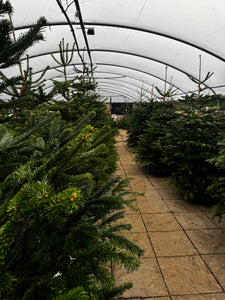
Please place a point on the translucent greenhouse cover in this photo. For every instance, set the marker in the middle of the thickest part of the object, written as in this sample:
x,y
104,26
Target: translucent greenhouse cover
x,y
137,45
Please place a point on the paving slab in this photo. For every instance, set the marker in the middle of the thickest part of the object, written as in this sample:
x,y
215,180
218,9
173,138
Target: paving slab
x,y
151,205
160,222
208,241
194,220
147,280
188,275
182,206
219,296
174,243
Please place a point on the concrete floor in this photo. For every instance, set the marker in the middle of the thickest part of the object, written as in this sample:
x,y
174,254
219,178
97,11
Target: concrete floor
x,y
184,255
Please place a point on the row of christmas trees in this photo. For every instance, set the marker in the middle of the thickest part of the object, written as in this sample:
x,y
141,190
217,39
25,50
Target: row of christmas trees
x,y
60,205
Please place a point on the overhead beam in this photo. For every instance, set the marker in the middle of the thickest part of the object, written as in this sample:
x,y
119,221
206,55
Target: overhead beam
x,y
108,78
119,86
168,36
124,67
127,95
126,53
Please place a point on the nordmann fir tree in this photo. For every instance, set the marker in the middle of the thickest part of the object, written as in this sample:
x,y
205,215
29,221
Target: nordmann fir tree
x,y
190,142
149,147
217,189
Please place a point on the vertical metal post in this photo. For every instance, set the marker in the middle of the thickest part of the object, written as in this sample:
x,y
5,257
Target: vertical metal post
x,y
165,80
110,106
199,75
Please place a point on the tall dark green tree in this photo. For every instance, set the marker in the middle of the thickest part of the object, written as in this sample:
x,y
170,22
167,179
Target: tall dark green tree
x,y
189,142
149,148
217,189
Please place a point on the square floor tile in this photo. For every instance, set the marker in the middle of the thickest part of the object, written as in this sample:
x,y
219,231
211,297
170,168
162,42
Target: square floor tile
x,y
136,222
132,166
220,224
128,164
141,185
147,280
152,206
160,181
182,206
160,222
195,220
208,241
171,195
205,208
132,172
149,194
142,240
187,275
172,243
217,264
141,177
219,296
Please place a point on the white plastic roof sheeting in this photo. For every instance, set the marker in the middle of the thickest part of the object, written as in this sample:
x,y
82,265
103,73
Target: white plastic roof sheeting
x,y
133,43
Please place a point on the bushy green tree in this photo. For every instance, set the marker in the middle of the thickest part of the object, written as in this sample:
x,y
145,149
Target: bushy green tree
x,y
149,148
190,141
217,189
59,225
141,112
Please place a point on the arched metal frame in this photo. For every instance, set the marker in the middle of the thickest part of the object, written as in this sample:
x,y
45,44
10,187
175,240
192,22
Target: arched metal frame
x,y
127,86
126,53
109,79
110,89
123,67
119,87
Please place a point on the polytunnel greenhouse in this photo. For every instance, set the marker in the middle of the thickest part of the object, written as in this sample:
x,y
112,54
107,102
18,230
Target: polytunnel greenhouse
x,y
112,142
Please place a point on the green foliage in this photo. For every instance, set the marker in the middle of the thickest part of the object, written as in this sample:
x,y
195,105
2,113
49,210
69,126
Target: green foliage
x,y
52,241
199,103
190,141
217,189
16,149
180,145
26,98
123,123
77,293
42,224
59,212
149,149
137,121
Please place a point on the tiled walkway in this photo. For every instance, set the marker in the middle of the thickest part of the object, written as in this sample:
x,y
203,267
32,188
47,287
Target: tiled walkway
x,y
184,255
